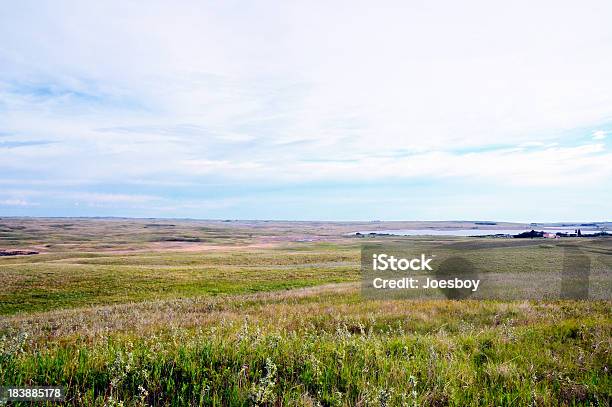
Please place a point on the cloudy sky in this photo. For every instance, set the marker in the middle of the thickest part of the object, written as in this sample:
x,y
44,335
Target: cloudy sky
x,y
307,110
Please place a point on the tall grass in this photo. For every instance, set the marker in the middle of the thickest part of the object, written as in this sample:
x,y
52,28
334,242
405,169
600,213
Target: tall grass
x,y
359,353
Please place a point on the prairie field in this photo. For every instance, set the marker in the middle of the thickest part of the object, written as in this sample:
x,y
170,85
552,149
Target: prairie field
x,y
179,312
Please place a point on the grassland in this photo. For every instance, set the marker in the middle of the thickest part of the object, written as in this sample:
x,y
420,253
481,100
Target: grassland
x,y
127,312
52,281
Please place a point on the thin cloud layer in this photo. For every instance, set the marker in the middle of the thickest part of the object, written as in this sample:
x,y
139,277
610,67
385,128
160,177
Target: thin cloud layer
x,y
226,110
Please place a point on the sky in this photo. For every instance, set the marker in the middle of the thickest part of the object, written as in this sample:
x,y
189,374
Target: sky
x,y
307,110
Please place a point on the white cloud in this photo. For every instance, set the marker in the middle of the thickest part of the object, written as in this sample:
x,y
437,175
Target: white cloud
x,y
403,74
16,202
100,198
550,166
302,92
599,135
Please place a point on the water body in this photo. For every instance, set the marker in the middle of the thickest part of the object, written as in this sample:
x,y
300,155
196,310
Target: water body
x,y
472,232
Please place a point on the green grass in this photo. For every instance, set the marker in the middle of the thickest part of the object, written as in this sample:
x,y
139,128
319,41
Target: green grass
x,y
55,281
331,348
283,325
